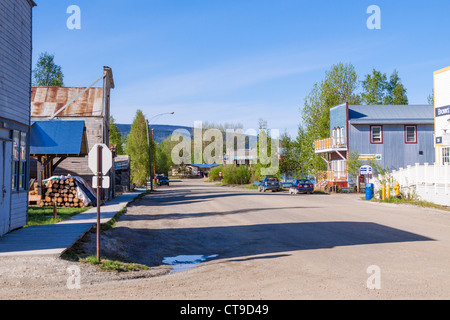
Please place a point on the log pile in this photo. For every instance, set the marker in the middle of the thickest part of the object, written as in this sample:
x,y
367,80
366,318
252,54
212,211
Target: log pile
x,y
60,192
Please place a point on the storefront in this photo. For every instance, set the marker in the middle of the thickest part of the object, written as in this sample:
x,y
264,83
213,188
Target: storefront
x,y
442,115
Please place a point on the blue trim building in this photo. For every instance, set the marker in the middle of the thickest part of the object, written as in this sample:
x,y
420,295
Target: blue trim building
x,y
393,135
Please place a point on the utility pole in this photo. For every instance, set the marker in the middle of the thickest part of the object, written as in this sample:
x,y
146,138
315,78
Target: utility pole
x,y
149,157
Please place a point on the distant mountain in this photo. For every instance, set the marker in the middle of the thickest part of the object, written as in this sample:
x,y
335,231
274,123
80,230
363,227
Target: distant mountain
x,y
161,132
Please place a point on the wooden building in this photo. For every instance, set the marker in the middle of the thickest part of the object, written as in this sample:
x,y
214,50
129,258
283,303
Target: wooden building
x,y
15,83
442,115
394,136
88,104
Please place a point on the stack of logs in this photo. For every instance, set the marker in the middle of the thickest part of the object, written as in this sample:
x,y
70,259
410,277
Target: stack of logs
x,y
62,193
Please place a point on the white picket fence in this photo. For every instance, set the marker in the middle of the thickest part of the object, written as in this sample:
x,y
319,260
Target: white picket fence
x,y
428,182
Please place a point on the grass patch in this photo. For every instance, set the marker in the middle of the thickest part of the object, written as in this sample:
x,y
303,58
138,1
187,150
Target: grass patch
x,y
114,265
419,203
44,215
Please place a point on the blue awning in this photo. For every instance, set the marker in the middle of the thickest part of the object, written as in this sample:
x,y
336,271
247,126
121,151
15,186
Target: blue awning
x,y
54,137
205,166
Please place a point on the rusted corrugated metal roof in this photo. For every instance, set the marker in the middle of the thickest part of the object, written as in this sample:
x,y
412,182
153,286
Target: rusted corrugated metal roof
x,y
45,101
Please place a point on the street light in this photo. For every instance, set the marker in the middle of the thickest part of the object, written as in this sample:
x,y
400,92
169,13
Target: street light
x,y
149,147
158,115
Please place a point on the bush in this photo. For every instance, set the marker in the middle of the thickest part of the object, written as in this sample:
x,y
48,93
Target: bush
x,y
237,175
214,174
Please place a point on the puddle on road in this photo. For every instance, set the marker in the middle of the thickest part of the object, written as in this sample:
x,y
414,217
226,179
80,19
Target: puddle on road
x,y
185,262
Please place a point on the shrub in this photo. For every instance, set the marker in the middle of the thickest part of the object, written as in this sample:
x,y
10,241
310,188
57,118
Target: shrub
x,y
214,174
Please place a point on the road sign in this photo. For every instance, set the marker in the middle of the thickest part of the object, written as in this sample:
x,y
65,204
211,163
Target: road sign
x,y
106,183
365,170
106,156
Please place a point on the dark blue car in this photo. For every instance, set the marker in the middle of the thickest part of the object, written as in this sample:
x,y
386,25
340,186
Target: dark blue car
x,y
301,186
269,183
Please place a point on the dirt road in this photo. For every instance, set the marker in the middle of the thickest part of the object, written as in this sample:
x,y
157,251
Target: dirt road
x,y
255,246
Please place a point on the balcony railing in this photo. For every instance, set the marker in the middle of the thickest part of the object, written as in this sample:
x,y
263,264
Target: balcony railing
x,y
332,176
331,143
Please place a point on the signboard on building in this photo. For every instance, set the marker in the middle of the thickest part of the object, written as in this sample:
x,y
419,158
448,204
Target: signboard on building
x,y
377,157
442,112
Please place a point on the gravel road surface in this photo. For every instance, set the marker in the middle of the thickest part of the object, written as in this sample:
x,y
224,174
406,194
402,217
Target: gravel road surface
x,y
252,245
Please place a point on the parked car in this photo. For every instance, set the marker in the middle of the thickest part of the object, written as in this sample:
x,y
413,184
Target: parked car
x,y
162,180
301,186
269,183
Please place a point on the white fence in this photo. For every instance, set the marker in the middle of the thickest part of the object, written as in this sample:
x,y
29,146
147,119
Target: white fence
x,y
427,182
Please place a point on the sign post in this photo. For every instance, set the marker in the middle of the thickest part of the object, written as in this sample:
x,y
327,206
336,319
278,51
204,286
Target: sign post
x,y
366,171
99,192
100,161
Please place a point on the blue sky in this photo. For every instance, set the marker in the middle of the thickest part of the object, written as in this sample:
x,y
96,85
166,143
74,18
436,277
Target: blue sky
x,y
237,61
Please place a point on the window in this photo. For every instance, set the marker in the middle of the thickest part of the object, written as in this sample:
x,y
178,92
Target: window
x,y
19,161
410,134
446,155
376,134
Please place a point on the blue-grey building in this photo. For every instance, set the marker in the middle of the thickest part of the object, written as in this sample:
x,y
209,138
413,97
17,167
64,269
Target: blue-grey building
x,y
393,135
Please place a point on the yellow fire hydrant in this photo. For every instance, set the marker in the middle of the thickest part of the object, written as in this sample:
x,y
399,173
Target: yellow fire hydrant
x,y
383,192
397,189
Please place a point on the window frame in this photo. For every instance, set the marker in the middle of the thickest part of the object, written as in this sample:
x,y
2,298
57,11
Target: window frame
x,y
445,154
371,134
406,134
19,161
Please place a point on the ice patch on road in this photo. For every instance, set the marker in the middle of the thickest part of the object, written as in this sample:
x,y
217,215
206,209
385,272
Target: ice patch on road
x,y
185,262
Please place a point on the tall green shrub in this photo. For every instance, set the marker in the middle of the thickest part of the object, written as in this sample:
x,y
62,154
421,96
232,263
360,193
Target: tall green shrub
x,y
137,148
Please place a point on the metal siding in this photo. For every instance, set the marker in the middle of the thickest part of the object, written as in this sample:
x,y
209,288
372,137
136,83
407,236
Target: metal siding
x,y
338,118
56,137
395,152
45,101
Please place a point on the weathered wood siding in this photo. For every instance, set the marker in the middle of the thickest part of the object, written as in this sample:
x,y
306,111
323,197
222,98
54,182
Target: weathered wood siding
x,y
15,61
395,152
15,86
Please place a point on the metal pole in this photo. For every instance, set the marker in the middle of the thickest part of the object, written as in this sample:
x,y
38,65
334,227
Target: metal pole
x,y
99,189
149,157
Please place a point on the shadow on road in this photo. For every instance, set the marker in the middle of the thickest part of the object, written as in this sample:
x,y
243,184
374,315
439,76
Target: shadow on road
x,y
238,242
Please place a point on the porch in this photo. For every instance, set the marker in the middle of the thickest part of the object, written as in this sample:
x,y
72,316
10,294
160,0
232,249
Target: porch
x,y
331,144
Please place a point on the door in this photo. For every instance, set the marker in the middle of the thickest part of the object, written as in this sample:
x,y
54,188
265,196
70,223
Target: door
x,y
5,185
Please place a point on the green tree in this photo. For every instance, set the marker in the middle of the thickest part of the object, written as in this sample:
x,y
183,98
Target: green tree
x,y
47,73
163,160
396,92
353,166
430,98
339,86
115,137
288,155
374,88
137,148
377,89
